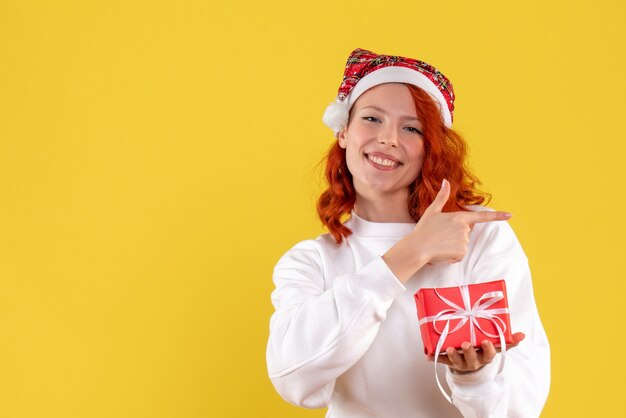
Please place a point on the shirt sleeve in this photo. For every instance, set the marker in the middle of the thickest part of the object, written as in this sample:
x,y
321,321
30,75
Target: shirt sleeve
x,y
317,333
522,389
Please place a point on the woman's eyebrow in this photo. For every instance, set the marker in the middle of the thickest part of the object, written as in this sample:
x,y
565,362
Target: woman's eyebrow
x,y
378,109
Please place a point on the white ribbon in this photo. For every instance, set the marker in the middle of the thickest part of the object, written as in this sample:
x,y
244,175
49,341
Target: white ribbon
x,y
469,314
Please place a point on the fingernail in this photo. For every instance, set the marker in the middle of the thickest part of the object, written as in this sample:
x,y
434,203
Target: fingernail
x,y
465,346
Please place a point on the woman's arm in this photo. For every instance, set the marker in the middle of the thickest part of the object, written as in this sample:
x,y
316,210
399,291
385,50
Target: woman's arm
x,y
444,237
438,237
522,389
317,331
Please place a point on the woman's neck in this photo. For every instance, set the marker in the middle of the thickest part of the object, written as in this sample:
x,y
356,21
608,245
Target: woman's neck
x,y
384,209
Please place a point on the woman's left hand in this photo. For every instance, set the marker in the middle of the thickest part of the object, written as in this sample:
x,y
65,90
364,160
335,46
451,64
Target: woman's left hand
x,y
472,359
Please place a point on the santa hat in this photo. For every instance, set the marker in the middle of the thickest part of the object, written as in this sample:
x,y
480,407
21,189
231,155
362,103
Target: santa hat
x,y
365,69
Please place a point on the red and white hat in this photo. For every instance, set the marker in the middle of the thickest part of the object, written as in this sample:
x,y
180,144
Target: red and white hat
x,y
365,69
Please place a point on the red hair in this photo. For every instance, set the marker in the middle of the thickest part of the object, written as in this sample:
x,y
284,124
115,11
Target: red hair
x,y
445,152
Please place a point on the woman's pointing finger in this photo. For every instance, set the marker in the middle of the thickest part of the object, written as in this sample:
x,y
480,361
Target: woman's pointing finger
x,y
486,216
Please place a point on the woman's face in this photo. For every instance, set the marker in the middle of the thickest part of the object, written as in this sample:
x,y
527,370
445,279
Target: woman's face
x,y
383,141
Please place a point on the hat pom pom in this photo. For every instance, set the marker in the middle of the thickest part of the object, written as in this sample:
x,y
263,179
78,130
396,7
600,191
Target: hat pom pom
x,y
336,116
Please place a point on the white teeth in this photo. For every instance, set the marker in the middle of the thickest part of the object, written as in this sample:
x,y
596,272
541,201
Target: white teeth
x,y
382,161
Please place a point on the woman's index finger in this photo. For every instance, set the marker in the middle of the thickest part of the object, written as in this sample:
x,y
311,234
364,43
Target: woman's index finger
x,y
487,216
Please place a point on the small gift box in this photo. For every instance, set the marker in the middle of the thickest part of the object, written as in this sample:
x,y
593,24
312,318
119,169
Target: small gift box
x,y
448,316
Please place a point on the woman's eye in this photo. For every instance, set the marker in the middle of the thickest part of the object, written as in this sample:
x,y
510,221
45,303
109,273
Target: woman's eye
x,y
371,119
414,130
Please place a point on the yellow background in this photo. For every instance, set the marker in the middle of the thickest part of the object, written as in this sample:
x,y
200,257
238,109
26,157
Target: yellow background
x,y
157,158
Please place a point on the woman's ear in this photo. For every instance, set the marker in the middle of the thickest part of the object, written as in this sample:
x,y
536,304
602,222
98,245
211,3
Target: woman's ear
x,y
341,138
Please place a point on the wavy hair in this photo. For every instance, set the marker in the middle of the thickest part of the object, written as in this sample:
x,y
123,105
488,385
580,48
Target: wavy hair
x,y
445,153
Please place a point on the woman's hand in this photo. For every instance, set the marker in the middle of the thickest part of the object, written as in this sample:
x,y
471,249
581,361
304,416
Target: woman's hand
x,y
472,359
444,236
437,237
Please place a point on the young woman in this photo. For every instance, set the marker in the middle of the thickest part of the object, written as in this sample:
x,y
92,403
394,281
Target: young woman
x,y
345,333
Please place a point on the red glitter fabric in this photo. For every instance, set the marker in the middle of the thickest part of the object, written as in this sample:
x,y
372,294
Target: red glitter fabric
x,y
362,62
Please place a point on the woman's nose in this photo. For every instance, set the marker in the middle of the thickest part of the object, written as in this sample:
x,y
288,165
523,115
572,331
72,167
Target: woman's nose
x,y
388,138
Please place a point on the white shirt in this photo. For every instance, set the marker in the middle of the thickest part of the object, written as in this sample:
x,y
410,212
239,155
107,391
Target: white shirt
x,y
345,332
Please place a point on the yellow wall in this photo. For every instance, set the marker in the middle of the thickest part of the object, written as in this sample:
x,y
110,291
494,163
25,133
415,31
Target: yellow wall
x,y
156,158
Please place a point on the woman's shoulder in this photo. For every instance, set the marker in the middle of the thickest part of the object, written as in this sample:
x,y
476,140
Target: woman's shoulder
x,y
496,237
310,250
496,225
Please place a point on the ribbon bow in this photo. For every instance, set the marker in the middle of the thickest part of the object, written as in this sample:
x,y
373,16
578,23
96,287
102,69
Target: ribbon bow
x,y
470,314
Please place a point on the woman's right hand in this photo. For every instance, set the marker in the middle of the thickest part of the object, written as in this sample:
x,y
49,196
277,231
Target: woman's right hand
x,y
437,237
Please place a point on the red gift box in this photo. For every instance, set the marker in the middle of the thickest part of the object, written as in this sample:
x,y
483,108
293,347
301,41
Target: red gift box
x,y
472,313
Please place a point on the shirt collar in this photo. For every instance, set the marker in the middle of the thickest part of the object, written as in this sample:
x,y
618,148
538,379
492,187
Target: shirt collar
x,y
367,229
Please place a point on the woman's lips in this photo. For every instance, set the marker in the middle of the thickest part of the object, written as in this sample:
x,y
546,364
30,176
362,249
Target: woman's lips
x,y
382,161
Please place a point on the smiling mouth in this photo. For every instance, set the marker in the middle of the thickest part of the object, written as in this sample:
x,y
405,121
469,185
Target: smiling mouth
x,y
381,161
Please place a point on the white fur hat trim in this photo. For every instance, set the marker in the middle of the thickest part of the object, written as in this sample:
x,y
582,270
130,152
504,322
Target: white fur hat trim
x,y
337,113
